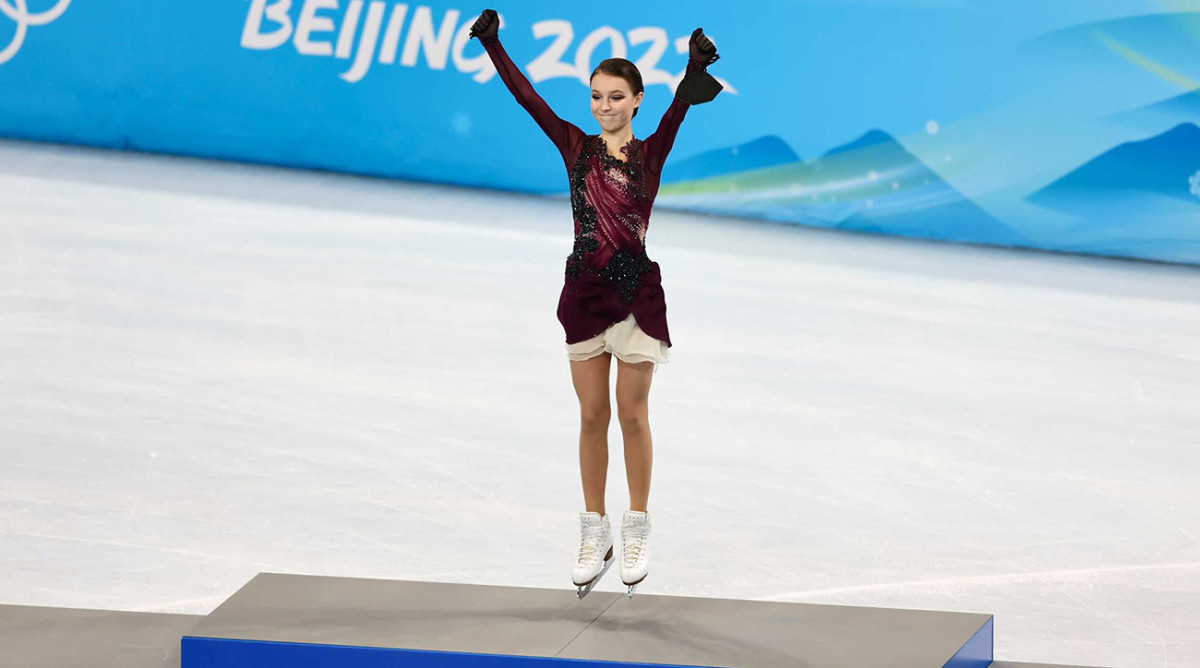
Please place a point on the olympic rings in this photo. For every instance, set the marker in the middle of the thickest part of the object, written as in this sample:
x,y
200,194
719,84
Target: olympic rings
x,y
19,13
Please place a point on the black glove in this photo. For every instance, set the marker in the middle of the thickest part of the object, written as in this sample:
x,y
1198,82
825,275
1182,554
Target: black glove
x,y
698,86
486,25
701,49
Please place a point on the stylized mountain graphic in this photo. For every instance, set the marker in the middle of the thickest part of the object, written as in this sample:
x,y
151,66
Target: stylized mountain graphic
x,y
921,203
766,151
1161,165
871,184
1186,105
871,138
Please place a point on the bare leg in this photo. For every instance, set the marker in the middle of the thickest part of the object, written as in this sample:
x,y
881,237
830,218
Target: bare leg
x,y
633,395
590,378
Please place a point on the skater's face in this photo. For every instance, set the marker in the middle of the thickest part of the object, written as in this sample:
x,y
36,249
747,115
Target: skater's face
x,y
612,101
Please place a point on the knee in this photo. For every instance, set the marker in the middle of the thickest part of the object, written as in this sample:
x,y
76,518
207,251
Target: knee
x,y
595,418
632,416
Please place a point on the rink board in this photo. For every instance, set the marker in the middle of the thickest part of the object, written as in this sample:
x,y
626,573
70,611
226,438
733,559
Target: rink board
x,y
307,621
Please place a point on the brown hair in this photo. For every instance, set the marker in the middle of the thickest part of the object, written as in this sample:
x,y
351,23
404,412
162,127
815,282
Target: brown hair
x,y
620,67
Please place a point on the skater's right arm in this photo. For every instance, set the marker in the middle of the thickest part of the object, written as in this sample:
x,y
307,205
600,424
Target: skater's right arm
x,y
562,133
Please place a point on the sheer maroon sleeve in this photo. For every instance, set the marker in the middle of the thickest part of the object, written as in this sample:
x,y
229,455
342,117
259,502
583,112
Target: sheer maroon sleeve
x,y
658,145
564,134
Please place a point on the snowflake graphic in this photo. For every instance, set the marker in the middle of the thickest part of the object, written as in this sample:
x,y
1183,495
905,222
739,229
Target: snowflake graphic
x,y
1194,184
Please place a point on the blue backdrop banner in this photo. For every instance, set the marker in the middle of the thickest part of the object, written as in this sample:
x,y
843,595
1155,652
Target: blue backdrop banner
x,y
1057,125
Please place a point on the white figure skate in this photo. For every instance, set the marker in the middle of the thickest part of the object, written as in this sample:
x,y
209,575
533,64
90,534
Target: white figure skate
x,y
596,540
635,557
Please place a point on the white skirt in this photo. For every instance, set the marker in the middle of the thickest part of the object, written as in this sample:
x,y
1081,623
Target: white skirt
x,y
624,339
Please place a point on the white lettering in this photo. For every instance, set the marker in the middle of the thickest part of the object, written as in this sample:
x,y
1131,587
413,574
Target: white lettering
x,y
366,45
549,64
481,65
391,38
583,53
421,36
648,63
345,41
269,24
310,23
252,34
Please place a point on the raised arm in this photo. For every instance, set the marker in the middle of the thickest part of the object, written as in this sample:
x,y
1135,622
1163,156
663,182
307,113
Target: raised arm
x,y
658,145
696,87
563,133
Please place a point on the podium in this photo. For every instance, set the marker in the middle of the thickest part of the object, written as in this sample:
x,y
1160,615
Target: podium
x,y
47,637
301,621
304,621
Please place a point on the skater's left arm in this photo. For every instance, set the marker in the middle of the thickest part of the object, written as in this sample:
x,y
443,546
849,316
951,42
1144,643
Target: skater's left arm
x,y
701,54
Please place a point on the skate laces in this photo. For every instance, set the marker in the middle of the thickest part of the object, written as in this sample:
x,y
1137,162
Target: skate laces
x,y
593,535
635,541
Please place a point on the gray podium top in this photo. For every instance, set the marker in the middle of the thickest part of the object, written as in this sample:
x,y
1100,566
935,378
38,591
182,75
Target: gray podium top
x,y
44,637
604,626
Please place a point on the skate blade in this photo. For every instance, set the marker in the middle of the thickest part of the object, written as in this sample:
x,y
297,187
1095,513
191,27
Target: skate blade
x,y
585,589
632,586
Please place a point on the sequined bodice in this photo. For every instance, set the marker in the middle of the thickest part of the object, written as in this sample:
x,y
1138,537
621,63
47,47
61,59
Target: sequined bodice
x,y
611,199
611,209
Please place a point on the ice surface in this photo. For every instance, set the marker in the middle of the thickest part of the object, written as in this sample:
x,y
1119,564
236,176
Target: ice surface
x,y
211,369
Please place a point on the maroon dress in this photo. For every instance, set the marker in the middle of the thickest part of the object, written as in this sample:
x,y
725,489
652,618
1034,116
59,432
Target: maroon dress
x,y
608,274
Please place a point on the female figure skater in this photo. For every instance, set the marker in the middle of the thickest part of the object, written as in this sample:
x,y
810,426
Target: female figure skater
x,y
612,301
